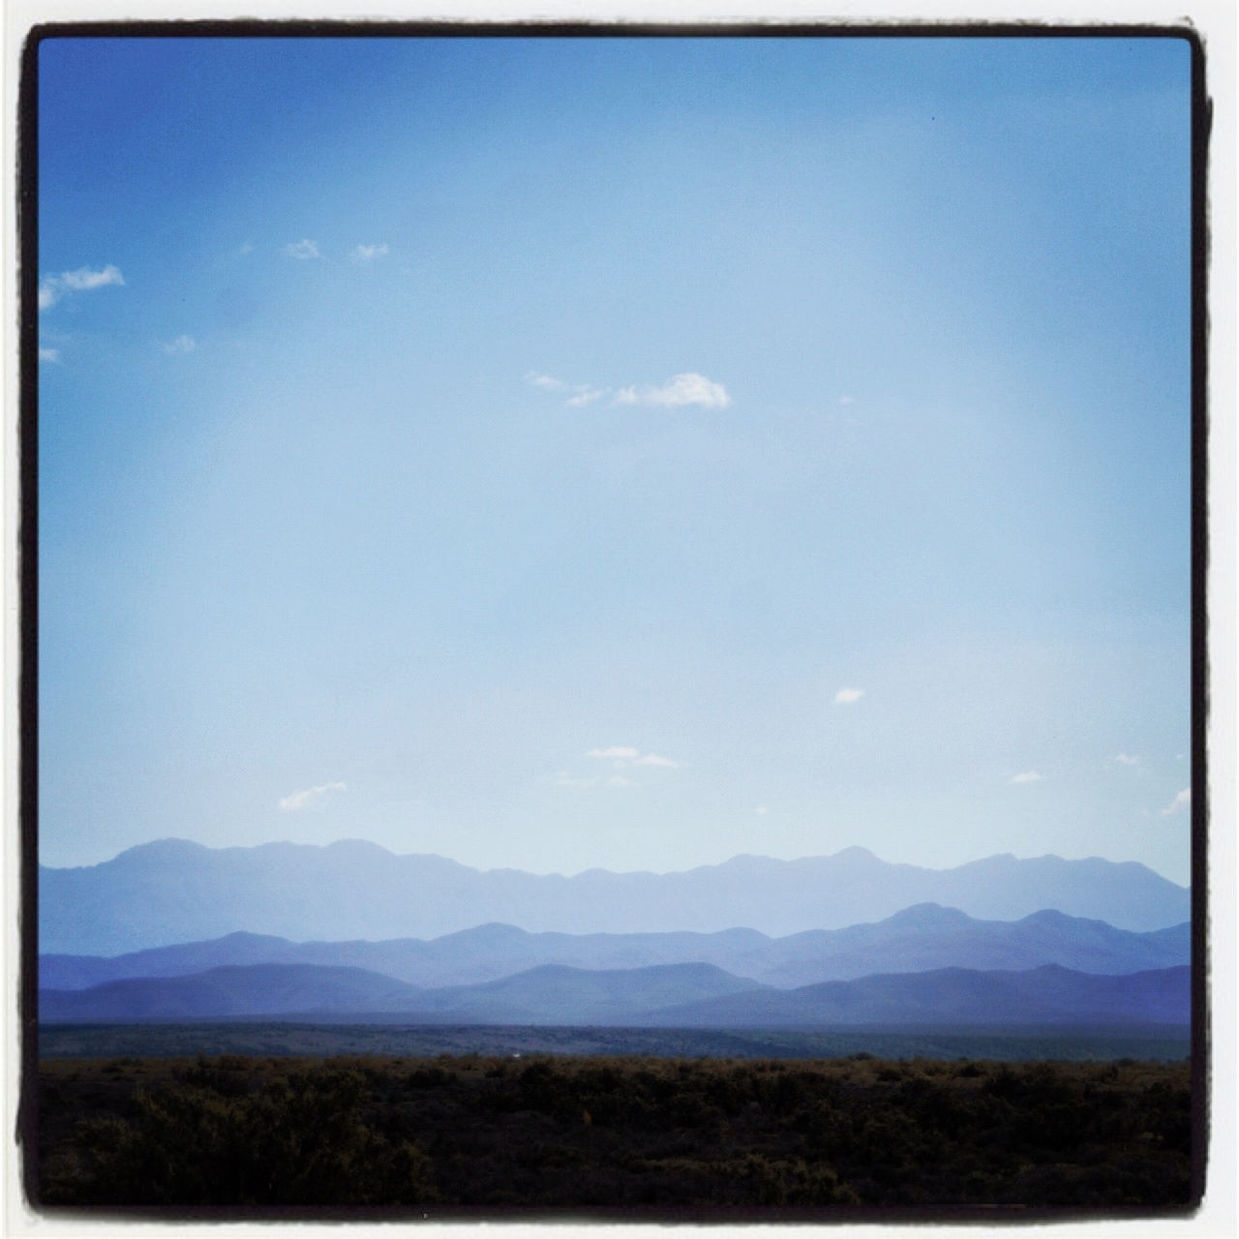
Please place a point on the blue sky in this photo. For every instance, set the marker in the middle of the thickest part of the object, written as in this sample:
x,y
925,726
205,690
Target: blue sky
x,y
618,452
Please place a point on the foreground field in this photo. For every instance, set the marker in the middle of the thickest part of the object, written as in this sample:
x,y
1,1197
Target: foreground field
x,y
395,1039
434,1135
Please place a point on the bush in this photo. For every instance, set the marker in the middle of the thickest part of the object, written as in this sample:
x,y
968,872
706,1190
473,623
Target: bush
x,y
301,1140
575,1132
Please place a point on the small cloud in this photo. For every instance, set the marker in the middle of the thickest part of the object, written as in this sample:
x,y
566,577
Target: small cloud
x,y
847,399
846,696
84,279
618,780
585,395
622,755
368,253
49,354
581,393
1181,801
311,795
548,382
302,249
182,344
1124,759
761,810
679,390
247,248
1028,776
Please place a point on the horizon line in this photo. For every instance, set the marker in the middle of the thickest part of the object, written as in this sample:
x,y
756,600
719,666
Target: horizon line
x,y
589,869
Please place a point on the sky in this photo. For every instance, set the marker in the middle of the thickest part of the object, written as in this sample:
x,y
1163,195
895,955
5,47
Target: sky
x,y
558,453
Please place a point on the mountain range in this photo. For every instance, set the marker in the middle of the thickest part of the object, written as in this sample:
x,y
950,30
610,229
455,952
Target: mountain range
x,y
665,995
955,996
917,939
175,891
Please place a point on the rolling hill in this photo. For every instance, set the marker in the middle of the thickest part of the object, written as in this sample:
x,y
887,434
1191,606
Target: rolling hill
x,y
670,995
916,939
229,991
959,997
551,994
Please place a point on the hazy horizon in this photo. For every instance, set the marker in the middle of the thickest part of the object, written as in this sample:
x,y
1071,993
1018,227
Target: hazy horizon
x,y
613,452
708,864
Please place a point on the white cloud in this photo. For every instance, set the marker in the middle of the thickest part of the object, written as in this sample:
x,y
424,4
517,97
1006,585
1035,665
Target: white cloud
x,y
680,389
49,354
585,395
847,399
368,253
564,779
311,795
1027,776
302,249
622,755
247,248
1124,759
84,279
548,382
582,393
182,344
618,780
846,696
53,287
1181,801
761,810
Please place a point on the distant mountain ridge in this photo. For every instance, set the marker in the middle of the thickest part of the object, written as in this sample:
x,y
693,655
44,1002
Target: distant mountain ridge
x,y
915,939
231,990
175,891
670,995
955,996
549,994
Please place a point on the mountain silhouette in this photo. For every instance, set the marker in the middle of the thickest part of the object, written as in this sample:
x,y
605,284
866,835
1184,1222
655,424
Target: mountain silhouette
x,y
919,938
671,995
551,994
175,891
959,997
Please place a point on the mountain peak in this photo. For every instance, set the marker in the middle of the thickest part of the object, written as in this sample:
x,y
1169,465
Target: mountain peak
x,y
492,932
358,847
928,916
855,853
161,850
1051,916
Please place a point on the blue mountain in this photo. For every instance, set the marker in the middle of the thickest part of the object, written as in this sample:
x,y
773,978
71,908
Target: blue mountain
x,y
916,939
674,995
175,891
